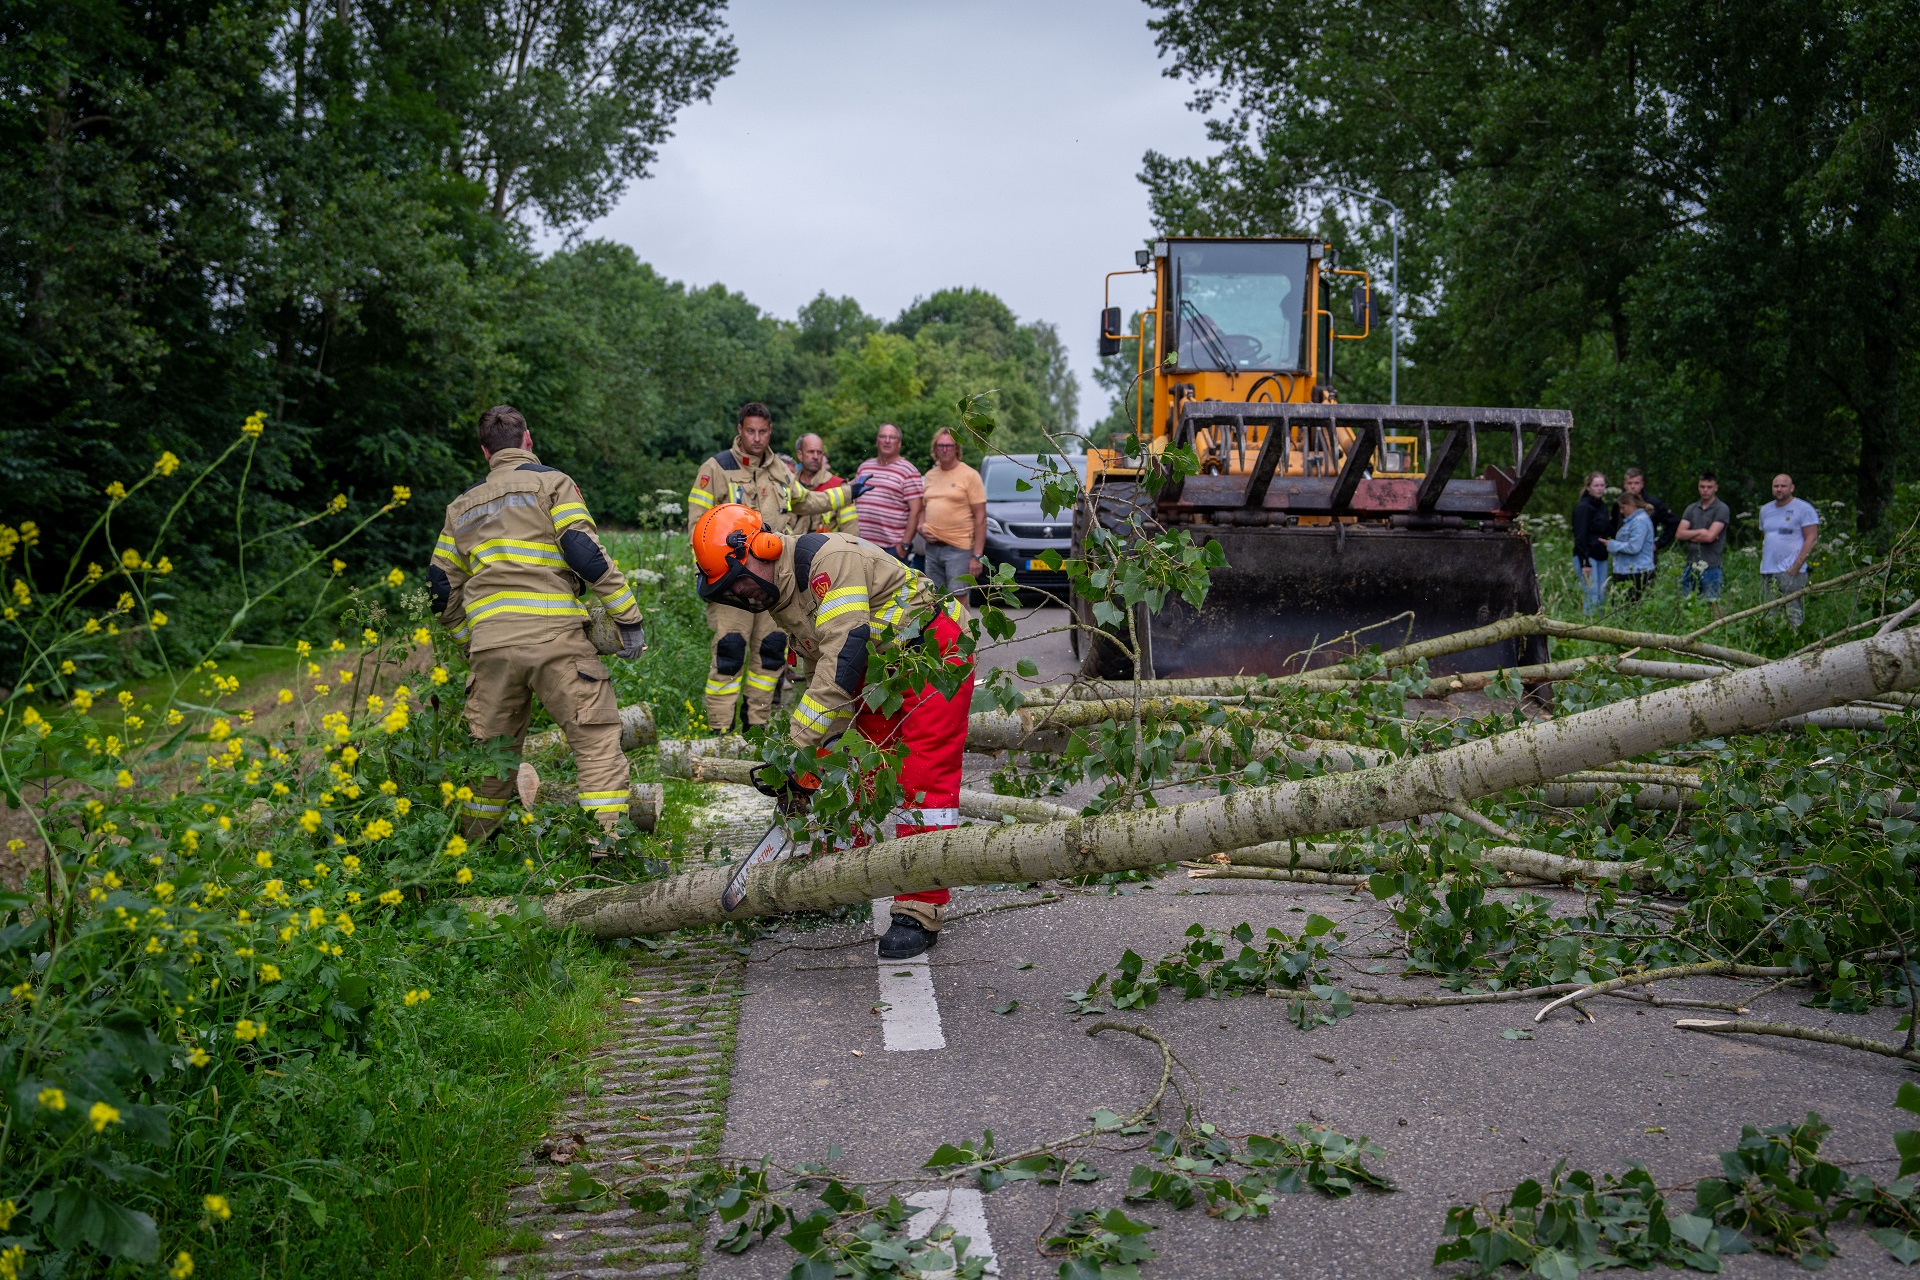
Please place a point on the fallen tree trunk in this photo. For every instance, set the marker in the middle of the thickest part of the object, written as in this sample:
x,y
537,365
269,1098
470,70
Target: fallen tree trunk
x,y
1405,789
1516,860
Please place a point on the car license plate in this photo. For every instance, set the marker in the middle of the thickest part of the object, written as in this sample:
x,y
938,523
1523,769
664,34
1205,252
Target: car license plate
x,y
1037,565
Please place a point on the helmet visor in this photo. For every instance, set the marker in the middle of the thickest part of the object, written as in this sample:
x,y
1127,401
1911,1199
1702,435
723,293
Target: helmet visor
x,y
740,588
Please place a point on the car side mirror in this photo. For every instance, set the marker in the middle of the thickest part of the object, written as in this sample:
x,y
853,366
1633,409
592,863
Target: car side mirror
x,y
1110,331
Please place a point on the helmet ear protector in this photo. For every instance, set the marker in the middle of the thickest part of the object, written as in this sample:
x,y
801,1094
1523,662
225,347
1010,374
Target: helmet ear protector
x,y
748,537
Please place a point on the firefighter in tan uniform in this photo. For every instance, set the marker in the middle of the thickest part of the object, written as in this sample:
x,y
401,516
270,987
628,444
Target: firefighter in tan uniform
x,y
811,453
748,649
514,555
839,597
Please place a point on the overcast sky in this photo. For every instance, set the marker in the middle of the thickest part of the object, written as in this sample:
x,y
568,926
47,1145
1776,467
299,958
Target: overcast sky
x,y
886,150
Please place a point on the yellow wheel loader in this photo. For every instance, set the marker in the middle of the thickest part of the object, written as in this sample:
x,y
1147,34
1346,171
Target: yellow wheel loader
x,y
1343,525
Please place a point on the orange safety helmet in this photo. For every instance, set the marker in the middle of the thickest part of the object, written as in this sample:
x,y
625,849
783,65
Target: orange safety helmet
x,y
722,540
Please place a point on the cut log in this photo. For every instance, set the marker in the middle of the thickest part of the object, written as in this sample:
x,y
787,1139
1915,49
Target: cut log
x,y
1404,789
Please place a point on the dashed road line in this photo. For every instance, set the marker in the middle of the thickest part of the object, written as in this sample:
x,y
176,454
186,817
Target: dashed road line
x,y
909,1014
962,1208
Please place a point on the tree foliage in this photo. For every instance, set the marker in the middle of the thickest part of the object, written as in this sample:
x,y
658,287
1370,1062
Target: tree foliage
x,y
1696,226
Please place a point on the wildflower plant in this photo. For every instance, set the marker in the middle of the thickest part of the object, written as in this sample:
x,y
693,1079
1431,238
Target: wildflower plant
x,y
221,905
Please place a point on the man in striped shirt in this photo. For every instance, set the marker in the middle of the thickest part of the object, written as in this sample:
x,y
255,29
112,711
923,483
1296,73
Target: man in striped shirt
x,y
515,552
889,506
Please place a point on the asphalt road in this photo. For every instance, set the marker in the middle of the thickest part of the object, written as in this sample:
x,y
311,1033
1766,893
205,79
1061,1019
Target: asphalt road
x,y
1460,1110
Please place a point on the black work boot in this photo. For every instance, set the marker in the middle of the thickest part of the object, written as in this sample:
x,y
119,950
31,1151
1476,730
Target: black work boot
x,y
906,939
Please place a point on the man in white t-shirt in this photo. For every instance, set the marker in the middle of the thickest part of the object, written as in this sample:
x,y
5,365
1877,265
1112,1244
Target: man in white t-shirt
x,y
1788,530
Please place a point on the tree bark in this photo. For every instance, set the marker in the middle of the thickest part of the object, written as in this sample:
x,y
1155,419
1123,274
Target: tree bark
x,y
1144,838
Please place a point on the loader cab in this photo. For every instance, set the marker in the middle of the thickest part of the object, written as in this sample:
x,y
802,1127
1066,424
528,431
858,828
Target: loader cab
x,y
1238,306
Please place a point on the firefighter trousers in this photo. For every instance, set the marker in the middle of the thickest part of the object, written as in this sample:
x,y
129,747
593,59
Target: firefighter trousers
x,y
934,731
573,685
750,652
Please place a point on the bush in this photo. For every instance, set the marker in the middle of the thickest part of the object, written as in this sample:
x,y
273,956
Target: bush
x,y
245,1025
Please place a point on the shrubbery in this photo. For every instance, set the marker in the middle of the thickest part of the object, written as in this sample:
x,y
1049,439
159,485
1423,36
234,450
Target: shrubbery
x,y
245,1024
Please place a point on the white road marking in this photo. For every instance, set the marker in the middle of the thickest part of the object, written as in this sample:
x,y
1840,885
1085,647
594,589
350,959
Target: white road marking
x,y
965,1210
911,1018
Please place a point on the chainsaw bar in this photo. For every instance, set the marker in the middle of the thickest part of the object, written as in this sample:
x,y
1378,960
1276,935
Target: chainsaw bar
x,y
775,846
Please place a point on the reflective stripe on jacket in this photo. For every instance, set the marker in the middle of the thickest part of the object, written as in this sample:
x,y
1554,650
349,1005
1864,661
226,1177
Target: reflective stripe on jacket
x,y
837,596
767,485
516,551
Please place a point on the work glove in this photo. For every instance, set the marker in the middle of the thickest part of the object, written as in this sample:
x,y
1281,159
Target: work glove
x,y
791,793
858,485
633,640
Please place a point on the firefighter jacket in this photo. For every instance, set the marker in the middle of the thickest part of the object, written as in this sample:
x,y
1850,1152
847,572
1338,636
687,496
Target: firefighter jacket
x,y
837,596
514,555
767,485
846,520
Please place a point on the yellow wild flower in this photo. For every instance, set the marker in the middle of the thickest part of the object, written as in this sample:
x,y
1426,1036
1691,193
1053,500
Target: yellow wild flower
x,y
8,1211
389,787
174,717
103,1115
82,700
130,559
13,1261
53,1099
66,667
248,1029
310,821
199,1057
402,806
438,675
166,464
263,859
420,995
115,490
391,898
182,1266
368,635
255,424
157,618
269,973
351,862
217,1207
422,636
401,496
344,923
464,875
340,566
378,829
123,779
456,847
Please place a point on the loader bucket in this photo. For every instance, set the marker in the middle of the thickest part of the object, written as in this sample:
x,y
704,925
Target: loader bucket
x,y
1288,594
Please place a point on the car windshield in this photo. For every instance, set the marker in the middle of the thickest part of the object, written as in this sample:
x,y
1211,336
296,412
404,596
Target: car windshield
x,y
1005,474
1240,305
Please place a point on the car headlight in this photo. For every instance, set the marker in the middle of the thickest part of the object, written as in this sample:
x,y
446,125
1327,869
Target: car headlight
x,y
995,527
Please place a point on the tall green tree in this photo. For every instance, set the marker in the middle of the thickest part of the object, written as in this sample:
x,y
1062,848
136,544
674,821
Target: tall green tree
x,y
1695,225
320,210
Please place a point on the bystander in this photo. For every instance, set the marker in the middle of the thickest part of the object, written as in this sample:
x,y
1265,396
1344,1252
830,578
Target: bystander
x,y
889,508
1634,481
1592,523
1632,548
955,520
1703,538
1788,529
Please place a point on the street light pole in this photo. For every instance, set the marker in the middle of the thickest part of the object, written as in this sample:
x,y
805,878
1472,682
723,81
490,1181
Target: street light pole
x,y
1393,326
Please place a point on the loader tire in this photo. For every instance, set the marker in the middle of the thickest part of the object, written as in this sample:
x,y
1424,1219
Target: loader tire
x,y
1124,508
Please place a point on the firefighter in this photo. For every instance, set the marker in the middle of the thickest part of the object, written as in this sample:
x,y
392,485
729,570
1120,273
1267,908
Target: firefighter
x,y
513,556
814,473
838,597
748,650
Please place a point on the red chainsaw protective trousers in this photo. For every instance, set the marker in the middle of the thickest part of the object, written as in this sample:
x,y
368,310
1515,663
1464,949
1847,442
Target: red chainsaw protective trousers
x,y
934,731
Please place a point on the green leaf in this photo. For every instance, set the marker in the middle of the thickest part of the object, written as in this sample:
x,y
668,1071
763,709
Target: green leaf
x,y
1005,1006
1027,667
1905,1249
1908,1099
1554,1264
80,1214
947,1154
1512,1033
1907,1143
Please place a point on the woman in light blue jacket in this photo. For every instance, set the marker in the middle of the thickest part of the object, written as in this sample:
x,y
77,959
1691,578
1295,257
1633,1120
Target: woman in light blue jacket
x,y
1632,549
